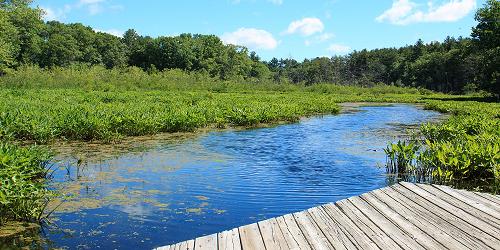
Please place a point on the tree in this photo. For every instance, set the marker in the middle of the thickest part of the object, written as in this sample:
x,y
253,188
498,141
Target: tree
x,y
112,51
487,38
29,25
487,31
9,46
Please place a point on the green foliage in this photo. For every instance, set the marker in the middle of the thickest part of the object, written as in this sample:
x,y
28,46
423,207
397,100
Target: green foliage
x,y
463,151
487,31
43,115
8,43
401,156
23,192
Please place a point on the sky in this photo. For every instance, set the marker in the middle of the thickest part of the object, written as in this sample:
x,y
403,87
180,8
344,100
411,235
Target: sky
x,y
279,28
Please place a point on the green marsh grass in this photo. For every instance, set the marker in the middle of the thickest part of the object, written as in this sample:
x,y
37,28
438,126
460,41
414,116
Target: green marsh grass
x,y
81,103
463,151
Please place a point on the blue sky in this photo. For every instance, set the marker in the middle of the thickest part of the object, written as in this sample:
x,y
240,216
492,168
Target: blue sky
x,y
279,28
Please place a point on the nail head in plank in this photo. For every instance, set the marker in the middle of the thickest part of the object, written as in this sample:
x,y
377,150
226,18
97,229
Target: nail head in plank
x,y
208,242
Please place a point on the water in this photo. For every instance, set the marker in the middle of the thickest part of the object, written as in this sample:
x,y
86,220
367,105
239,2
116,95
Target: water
x,y
182,188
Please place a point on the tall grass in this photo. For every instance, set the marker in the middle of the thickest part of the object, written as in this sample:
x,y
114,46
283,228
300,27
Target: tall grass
x,y
98,78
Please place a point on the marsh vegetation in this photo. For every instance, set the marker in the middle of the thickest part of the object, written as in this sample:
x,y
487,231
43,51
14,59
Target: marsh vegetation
x,y
68,83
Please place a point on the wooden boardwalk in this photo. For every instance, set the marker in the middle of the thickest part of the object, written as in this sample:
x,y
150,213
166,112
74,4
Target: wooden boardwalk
x,y
403,216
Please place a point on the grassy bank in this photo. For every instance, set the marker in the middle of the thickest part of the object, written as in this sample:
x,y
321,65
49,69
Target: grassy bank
x,y
94,104
23,191
463,151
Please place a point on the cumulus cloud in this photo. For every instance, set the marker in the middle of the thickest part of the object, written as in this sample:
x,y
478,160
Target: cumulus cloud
x,y
338,48
405,12
251,38
306,26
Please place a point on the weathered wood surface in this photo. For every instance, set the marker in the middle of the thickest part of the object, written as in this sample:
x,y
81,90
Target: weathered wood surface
x,y
403,216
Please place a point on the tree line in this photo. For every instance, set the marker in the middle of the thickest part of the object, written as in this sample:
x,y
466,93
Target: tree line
x,y
455,65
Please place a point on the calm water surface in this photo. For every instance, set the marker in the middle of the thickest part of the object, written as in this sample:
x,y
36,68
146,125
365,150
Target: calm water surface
x,y
186,187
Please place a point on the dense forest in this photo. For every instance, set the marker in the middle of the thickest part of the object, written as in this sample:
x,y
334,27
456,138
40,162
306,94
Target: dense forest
x,y
456,65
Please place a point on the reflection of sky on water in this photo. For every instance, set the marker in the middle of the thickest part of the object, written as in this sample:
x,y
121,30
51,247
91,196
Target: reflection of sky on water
x,y
177,190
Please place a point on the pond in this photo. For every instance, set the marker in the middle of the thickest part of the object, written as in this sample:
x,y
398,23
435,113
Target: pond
x,y
155,192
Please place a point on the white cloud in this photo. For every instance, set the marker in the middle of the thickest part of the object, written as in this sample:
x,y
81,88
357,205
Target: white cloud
x,y
399,10
49,14
319,39
306,26
93,7
338,48
114,32
58,14
405,12
251,38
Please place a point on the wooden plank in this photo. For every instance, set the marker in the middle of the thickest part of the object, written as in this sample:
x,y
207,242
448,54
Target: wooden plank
x,y
177,246
481,199
376,234
293,236
355,235
459,212
401,222
311,232
163,248
466,233
250,237
229,240
458,200
186,245
337,237
492,198
474,200
208,242
437,232
402,238
272,235
189,245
